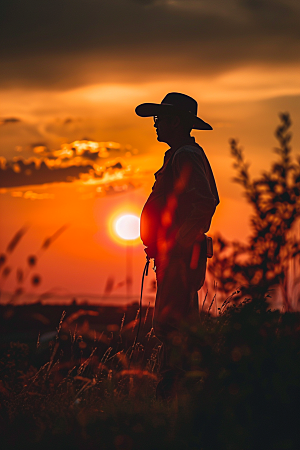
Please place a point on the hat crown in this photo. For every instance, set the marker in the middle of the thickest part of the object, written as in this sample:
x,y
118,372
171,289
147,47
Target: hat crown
x,y
182,102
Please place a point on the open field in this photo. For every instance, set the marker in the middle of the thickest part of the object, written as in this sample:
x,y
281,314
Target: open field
x,y
72,381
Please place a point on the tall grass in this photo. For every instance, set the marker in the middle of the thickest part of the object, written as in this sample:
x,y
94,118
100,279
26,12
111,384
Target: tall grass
x,y
241,388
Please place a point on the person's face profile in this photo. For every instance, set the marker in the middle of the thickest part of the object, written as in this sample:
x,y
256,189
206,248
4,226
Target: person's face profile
x,y
164,127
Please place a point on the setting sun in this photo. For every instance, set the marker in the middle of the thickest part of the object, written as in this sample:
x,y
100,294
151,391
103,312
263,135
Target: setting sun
x,y
128,227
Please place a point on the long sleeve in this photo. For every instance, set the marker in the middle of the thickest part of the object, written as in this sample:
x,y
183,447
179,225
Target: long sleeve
x,y
194,193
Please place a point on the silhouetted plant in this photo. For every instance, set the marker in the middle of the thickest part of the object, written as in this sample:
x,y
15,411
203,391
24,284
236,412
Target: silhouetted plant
x,y
32,260
241,388
263,263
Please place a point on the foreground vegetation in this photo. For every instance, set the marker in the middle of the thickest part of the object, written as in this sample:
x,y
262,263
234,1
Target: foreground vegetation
x,y
241,389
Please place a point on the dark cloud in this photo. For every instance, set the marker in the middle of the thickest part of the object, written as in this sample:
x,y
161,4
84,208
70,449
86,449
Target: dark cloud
x,y
145,2
35,145
113,189
21,173
85,160
117,165
85,149
6,120
71,42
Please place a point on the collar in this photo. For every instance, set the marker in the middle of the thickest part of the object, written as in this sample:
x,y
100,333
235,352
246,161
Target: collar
x,y
189,141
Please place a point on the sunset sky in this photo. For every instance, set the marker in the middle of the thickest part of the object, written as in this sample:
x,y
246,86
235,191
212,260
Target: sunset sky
x,y
72,150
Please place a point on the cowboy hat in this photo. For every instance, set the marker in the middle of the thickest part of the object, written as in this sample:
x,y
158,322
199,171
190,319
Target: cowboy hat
x,y
174,102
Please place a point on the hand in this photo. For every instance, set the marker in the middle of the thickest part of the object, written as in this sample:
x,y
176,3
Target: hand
x,y
151,251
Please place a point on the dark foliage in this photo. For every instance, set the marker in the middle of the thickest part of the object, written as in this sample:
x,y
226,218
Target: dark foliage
x,y
241,390
263,263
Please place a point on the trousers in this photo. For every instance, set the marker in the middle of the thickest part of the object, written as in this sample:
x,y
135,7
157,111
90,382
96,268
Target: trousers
x,y
179,276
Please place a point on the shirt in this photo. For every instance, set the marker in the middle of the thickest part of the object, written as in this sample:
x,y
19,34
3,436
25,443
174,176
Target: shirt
x,y
183,198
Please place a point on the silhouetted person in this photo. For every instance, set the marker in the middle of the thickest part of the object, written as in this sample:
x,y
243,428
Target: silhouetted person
x,y
174,219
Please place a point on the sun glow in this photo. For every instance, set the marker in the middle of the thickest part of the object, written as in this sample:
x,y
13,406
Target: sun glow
x,y
128,227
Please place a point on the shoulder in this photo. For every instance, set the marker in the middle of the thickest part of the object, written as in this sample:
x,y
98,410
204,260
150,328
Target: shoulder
x,y
189,154
188,150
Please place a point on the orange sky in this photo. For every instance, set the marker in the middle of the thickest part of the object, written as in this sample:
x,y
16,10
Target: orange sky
x,y
65,93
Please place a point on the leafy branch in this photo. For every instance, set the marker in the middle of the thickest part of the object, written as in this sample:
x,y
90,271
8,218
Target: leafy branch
x,y
274,197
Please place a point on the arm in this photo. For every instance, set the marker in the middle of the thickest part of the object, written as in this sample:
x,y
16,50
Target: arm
x,y
193,189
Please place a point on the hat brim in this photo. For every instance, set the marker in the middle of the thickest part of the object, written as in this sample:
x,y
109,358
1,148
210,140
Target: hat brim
x,y
154,109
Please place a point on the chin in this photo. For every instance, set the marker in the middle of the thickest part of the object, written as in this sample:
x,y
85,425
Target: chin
x,y
160,139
